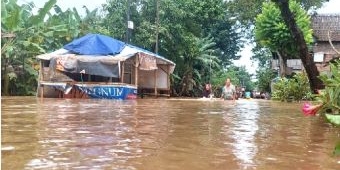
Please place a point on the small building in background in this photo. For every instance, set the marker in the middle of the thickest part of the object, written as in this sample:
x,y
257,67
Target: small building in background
x,y
326,28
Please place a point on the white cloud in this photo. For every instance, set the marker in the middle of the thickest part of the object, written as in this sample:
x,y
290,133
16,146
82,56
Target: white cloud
x,y
331,7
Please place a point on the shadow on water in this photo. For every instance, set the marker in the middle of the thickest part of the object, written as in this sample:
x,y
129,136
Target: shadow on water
x,y
162,134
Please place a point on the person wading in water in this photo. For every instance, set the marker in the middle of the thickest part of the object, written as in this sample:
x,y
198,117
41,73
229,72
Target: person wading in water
x,y
228,91
207,92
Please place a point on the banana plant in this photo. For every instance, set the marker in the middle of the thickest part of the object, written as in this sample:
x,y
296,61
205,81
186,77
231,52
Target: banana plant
x,y
200,58
25,35
21,39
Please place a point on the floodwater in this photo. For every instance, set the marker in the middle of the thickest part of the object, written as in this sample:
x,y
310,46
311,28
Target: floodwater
x,y
163,134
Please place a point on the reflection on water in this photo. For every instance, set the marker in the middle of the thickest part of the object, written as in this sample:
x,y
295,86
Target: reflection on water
x,y
162,134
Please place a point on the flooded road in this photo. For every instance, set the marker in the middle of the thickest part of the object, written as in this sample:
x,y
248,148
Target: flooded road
x,y
163,134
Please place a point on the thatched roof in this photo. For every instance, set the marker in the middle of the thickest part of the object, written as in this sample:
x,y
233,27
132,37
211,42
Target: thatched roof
x,y
321,24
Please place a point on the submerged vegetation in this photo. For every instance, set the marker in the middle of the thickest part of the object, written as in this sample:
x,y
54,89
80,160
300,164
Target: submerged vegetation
x,y
330,96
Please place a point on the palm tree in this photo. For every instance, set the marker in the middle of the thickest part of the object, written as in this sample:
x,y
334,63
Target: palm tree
x,y
200,59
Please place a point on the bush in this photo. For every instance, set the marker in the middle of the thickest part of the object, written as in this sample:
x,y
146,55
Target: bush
x,y
296,88
330,96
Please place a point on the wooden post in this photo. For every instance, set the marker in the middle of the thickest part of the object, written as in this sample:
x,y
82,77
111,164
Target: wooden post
x,y
131,71
123,72
41,73
41,78
155,82
89,77
168,79
136,71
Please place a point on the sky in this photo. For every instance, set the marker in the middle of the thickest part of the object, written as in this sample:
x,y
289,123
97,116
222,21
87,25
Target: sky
x,y
328,8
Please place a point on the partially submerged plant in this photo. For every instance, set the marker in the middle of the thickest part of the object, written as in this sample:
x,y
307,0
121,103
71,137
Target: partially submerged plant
x,y
328,97
310,110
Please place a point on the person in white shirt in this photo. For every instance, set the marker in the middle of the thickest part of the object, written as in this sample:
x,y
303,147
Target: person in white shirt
x,y
228,91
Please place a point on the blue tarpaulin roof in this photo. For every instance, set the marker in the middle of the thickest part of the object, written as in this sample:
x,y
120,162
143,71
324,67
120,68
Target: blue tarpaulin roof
x,y
98,55
95,44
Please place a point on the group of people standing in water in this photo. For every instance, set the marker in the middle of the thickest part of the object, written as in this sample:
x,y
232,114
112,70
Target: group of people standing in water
x,y
228,91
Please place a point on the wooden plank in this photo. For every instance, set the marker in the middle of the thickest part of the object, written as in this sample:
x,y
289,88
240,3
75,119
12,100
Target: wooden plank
x,y
41,91
41,74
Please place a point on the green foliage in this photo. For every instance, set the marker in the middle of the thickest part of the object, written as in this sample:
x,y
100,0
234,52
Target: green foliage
x,y
336,151
201,37
23,43
33,34
264,78
330,96
197,62
198,36
115,20
42,13
262,55
296,88
333,118
272,32
246,10
225,35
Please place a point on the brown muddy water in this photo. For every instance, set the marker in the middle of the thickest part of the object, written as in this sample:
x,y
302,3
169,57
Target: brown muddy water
x,y
150,134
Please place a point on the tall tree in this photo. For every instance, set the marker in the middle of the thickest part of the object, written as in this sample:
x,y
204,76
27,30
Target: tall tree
x,y
200,58
299,39
116,20
272,32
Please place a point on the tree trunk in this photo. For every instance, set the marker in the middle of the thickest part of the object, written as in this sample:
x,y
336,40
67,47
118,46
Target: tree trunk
x,y
282,64
6,78
306,58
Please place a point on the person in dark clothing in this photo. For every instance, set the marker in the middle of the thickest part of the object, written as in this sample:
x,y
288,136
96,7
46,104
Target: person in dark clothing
x,y
207,91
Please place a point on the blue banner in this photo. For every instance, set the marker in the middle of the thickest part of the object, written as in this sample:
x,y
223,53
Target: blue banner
x,y
109,91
